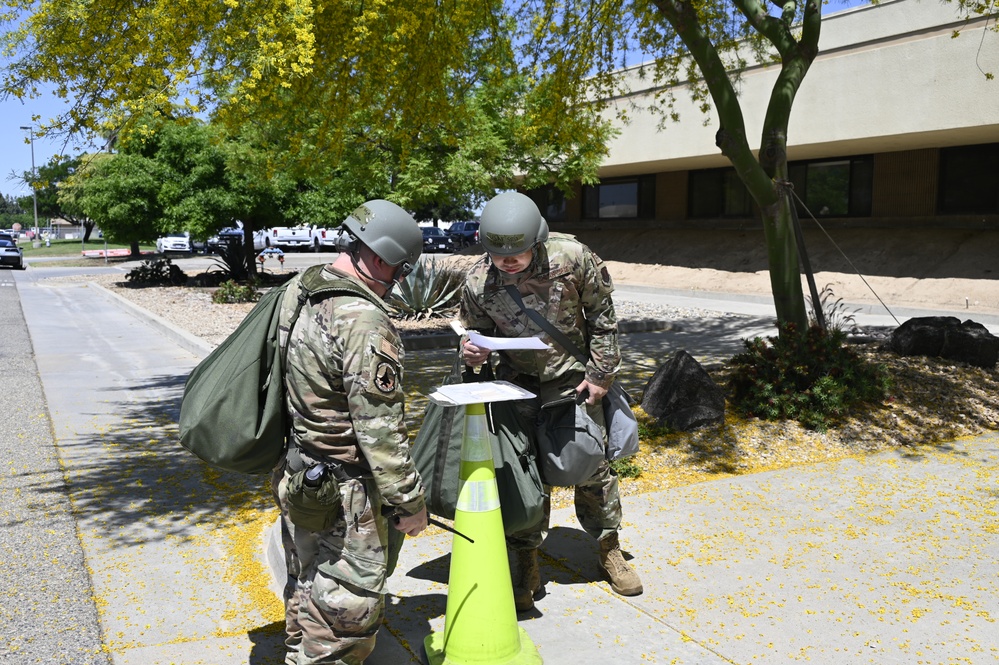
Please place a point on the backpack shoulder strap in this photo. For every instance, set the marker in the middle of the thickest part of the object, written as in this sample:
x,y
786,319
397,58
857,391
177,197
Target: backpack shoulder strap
x,y
313,284
546,325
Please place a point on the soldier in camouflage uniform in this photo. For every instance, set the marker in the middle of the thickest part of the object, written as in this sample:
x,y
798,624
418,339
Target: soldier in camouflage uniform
x,y
344,374
564,280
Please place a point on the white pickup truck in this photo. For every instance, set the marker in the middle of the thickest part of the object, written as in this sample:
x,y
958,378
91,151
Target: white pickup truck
x,y
324,240
288,237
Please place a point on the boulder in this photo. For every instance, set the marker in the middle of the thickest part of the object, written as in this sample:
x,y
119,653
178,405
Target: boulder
x,y
683,396
946,337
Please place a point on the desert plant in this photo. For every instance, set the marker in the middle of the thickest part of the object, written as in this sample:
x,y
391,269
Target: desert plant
x,y
231,259
430,290
834,311
157,272
812,377
231,291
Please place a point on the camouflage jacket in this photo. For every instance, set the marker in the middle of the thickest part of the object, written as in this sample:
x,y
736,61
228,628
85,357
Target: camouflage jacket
x,y
344,376
571,287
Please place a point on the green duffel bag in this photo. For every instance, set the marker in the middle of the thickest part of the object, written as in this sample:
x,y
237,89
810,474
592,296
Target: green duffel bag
x,y
437,454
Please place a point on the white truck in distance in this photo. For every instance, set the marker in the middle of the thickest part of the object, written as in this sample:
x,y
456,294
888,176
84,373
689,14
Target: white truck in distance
x,y
324,240
288,237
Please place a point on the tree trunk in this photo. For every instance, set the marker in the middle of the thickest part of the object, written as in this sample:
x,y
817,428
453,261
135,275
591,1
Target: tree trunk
x,y
134,251
782,255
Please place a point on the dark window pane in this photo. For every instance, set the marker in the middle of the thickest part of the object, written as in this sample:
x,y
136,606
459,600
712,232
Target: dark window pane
x,y
828,192
705,197
550,201
861,185
591,201
969,179
618,200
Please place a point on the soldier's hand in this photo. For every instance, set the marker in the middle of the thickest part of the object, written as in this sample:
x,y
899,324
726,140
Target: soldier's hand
x,y
596,392
413,524
473,355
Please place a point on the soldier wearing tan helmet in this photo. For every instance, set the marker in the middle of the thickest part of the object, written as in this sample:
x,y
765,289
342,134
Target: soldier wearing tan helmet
x,y
569,285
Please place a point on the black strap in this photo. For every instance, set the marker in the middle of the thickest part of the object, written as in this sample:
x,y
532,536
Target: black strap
x,y
546,325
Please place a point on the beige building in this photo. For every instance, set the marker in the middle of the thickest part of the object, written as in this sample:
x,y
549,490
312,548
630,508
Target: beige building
x,y
895,126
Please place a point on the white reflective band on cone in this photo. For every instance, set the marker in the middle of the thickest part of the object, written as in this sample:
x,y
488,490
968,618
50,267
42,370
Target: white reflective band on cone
x,y
478,496
477,447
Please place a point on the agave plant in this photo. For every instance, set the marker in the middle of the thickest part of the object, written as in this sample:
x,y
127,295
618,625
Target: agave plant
x,y
430,290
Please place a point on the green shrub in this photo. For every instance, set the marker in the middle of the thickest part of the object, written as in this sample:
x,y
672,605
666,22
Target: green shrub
x,y
232,292
813,377
430,290
157,272
626,468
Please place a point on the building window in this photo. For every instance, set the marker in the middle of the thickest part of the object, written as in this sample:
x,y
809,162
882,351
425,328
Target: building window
x,y
968,178
630,198
550,201
834,187
718,193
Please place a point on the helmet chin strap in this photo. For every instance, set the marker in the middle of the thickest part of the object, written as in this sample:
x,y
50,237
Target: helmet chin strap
x,y
357,266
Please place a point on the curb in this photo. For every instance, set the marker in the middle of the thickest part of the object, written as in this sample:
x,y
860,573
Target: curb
x,y
192,343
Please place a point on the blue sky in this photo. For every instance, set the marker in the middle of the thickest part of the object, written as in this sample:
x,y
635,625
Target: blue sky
x,y
15,153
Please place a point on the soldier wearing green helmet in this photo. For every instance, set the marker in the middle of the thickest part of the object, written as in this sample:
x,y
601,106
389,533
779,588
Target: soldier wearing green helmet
x,y
347,488
569,285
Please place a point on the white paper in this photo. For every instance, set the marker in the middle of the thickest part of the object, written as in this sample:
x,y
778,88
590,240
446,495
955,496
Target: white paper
x,y
506,343
478,392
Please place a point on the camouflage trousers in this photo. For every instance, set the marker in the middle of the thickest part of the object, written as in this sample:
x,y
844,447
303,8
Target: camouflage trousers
x,y
334,600
597,501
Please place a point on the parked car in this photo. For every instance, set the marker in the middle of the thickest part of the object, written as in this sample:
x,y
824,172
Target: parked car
x,y
435,240
324,240
11,255
463,234
233,234
179,242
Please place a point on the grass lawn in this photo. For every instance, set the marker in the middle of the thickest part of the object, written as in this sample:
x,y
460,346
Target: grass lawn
x,y
71,248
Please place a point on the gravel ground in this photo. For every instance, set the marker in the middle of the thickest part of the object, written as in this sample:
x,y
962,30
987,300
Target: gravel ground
x,y
932,401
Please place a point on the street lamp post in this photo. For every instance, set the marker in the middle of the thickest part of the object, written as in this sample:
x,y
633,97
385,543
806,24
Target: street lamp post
x,y
34,177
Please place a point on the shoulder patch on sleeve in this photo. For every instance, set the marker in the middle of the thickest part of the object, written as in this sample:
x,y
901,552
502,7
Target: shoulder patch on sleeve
x,y
385,378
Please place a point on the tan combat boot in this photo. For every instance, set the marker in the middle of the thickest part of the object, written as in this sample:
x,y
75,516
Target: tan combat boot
x,y
526,579
623,578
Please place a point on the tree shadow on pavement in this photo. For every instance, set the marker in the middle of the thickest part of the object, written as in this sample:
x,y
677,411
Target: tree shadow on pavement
x,y
128,475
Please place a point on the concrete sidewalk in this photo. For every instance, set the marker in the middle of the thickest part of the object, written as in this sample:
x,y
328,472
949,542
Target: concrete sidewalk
x,y
887,559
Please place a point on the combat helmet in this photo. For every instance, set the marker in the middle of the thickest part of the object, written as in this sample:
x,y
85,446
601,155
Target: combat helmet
x,y
511,224
389,231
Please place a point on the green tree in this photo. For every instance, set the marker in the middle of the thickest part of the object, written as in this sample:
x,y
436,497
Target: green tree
x,y
120,192
50,181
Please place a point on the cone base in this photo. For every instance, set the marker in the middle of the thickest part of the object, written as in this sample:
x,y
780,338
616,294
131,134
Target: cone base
x,y
528,655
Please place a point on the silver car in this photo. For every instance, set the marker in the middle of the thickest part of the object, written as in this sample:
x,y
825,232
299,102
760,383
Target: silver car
x,y
11,255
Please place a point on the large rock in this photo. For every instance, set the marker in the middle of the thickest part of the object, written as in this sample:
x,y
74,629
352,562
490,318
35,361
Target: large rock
x,y
683,395
946,337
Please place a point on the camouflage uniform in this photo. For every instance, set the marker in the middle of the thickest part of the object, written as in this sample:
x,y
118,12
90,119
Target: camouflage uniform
x,y
571,287
345,398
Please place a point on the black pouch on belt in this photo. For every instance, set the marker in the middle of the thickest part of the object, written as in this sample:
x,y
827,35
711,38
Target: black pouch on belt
x,y
314,498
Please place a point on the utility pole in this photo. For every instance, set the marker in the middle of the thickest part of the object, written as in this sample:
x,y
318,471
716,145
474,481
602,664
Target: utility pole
x,y
35,242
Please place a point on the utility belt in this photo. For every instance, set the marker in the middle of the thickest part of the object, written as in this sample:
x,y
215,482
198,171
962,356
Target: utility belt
x,y
313,492
299,460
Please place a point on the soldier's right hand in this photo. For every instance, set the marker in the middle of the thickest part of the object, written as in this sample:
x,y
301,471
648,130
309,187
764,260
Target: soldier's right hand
x,y
413,524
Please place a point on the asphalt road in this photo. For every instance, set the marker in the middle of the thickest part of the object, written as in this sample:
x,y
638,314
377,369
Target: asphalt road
x,y
48,614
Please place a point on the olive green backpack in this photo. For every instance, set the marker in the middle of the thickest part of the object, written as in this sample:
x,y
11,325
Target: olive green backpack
x,y
233,413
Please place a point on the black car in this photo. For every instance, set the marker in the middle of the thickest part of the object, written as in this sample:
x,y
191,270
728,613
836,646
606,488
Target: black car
x,y
435,240
463,234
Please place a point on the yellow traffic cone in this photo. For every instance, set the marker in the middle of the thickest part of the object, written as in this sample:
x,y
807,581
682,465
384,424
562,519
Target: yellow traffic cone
x,y
480,622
